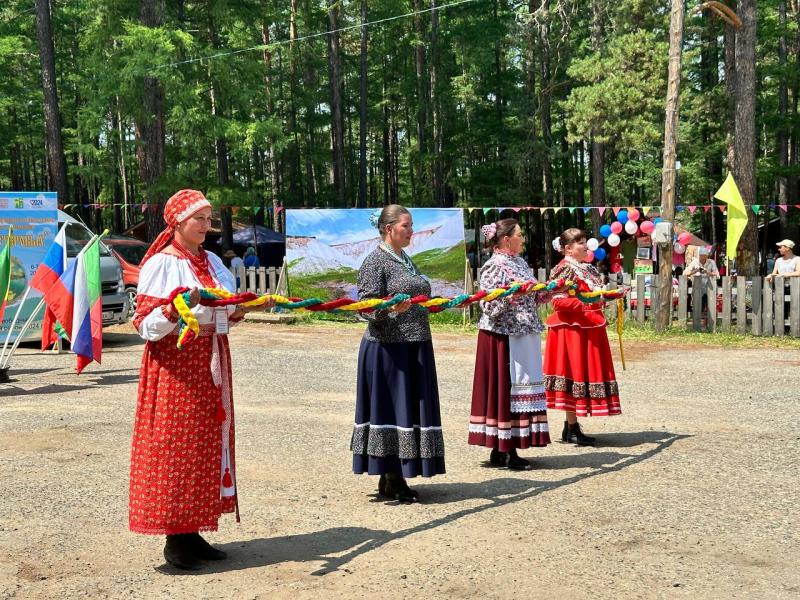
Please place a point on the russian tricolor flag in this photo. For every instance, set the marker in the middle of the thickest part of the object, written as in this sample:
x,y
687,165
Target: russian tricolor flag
x,y
46,276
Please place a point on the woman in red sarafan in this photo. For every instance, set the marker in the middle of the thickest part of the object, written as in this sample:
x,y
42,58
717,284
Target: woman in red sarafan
x,y
578,370
183,474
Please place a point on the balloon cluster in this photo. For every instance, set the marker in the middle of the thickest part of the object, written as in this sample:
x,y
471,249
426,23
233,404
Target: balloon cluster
x,y
627,221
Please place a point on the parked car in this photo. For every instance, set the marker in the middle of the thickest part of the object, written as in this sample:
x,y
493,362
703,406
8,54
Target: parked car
x,y
129,252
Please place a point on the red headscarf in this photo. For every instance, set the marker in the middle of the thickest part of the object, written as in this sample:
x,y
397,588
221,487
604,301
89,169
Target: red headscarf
x,y
182,205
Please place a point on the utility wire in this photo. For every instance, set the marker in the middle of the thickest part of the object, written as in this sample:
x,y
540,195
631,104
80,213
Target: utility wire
x,y
314,35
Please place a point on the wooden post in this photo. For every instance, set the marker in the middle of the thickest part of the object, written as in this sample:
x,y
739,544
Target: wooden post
x,y
683,300
757,306
741,304
727,304
794,307
640,298
668,172
711,296
697,302
779,299
766,310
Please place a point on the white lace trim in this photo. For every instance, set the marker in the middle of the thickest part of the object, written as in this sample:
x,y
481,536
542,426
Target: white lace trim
x,y
528,406
507,434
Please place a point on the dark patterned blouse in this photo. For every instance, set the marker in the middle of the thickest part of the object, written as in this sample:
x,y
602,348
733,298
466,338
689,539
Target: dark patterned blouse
x,y
515,315
383,274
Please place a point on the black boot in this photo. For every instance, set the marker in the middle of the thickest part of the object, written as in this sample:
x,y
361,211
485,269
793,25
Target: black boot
x,y
575,436
396,488
565,433
498,459
517,463
179,553
203,550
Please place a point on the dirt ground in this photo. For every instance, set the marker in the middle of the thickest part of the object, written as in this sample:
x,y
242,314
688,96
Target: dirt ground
x,y
692,492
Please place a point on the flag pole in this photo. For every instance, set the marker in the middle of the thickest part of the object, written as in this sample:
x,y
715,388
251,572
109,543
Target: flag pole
x,y
14,322
4,364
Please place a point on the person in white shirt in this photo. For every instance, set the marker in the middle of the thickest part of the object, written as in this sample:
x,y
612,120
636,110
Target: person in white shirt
x,y
702,265
788,265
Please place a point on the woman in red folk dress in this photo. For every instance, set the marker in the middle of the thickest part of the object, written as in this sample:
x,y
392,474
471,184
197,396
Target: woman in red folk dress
x,y
183,474
578,370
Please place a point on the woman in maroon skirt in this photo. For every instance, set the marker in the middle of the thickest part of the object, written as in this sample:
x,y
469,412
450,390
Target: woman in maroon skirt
x,y
579,372
508,402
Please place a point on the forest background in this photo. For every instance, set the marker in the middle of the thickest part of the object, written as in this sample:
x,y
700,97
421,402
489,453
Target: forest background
x,y
115,104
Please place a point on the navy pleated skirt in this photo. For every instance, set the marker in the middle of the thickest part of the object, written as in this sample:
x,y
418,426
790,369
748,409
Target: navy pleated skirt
x,y
398,426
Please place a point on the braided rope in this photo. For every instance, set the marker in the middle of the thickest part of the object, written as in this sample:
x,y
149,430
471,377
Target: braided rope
x,y
189,328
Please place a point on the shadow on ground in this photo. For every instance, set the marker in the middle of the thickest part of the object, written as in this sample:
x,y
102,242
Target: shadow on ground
x,y
338,546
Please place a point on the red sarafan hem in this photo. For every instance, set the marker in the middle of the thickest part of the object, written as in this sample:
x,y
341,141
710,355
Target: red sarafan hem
x,y
579,372
583,407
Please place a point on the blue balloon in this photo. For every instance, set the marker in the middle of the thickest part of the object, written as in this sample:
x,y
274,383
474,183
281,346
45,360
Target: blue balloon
x,y
599,254
657,220
605,230
622,216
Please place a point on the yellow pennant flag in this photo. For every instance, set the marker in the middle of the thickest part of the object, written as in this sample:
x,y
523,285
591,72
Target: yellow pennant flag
x,y
737,215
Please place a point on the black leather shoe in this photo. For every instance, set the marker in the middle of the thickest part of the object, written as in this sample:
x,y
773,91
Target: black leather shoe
x,y
498,459
178,552
203,550
517,463
576,436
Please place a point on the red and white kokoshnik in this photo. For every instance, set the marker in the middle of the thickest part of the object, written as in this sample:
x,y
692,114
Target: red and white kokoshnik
x,y
183,473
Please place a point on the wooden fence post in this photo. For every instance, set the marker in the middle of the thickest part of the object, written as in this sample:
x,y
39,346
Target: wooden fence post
x,y
640,298
697,302
741,304
757,299
794,306
767,315
683,300
779,299
711,297
727,304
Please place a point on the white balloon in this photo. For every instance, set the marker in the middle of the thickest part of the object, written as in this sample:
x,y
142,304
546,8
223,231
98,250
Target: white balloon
x,y
592,244
613,240
679,248
631,227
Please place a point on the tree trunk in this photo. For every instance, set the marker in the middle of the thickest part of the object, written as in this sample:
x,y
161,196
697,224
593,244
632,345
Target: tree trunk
x,y
422,93
439,196
150,129
220,148
544,113
597,149
783,127
730,88
274,172
668,176
56,162
362,112
745,134
295,187
337,117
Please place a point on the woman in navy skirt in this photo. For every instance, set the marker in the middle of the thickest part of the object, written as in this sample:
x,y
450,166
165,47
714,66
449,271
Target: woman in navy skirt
x,y
398,428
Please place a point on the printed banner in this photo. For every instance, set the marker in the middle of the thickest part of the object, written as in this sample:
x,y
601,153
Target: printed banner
x,y
325,248
34,216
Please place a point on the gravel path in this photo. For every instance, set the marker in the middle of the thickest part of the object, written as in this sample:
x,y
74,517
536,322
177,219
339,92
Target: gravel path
x,y
692,494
